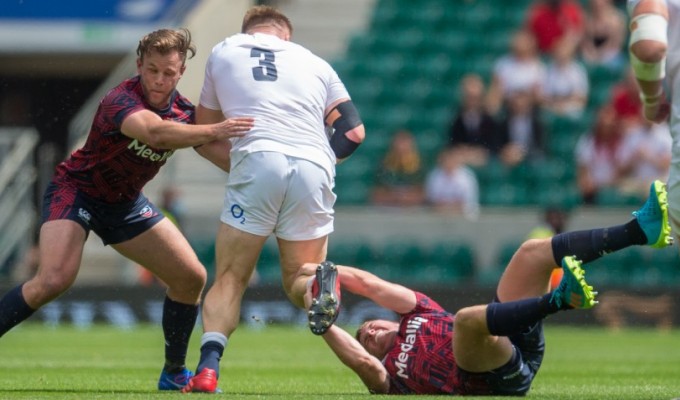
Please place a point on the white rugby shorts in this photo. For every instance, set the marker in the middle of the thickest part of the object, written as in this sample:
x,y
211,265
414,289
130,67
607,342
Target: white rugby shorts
x,y
269,192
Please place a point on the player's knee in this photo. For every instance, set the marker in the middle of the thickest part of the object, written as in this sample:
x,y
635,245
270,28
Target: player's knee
x,y
48,287
649,51
471,319
531,246
192,282
198,279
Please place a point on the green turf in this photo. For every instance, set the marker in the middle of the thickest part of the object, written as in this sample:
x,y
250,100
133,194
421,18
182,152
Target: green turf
x,y
290,363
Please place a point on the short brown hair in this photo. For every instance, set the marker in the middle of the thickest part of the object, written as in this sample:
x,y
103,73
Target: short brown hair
x,y
265,15
165,41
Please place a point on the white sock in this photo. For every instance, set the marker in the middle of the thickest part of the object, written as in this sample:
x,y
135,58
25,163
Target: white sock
x,y
214,337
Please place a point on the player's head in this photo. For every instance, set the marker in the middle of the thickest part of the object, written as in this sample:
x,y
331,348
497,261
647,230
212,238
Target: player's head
x,y
165,42
377,336
267,18
161,57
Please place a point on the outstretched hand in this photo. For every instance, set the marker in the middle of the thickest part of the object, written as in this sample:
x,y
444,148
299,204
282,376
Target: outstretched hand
x,y
234,127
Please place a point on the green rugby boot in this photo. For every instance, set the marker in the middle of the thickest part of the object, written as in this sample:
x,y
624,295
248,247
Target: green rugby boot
x,y
653,217
573,290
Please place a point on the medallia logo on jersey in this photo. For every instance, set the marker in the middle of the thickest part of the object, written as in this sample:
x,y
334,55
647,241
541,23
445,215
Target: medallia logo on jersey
x,y
144,151
412,328
84,215
147,212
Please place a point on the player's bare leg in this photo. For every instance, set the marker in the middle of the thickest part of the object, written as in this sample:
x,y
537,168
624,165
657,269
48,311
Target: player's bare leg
x,y
295,254
175,263
236,256
172,260
296,260
61,249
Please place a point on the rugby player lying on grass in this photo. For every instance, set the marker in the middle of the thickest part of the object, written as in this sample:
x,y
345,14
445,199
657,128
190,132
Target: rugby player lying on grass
x,y
491,349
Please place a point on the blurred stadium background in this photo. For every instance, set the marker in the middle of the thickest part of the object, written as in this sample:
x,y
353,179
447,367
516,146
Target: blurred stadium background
x,y
401,61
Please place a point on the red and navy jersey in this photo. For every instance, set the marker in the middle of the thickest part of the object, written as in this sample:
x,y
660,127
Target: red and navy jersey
x,y
112,167
421,361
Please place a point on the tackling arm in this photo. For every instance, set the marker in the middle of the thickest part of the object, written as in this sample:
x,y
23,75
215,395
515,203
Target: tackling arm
x,y
394,297
149,128
216,152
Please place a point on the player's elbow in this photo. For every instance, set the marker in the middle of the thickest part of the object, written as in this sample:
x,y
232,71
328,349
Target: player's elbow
x,y
373,374
155,140
357,135
649,51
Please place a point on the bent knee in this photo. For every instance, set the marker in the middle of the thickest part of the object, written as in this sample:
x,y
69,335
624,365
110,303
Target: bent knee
x,y
534,247
44,288
193,281
471,319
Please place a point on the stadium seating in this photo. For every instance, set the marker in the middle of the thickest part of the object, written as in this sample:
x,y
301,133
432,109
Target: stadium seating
x,y
404,71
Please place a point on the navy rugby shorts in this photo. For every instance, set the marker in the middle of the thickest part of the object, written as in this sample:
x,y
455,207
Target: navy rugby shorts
x,y
113,223
515,377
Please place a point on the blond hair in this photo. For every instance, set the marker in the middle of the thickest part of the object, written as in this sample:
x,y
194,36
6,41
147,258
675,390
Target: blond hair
x,y
165,41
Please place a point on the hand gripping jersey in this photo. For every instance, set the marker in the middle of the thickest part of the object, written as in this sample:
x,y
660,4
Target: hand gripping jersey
x,y
421,361
112,167
283,86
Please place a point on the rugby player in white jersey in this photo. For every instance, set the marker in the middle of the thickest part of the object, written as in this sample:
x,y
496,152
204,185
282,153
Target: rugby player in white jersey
x,y
281,176
655,58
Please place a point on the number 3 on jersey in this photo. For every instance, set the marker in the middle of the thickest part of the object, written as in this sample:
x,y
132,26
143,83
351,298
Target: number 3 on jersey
x,y
267,70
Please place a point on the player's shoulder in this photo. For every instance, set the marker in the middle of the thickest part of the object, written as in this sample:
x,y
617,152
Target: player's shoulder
x,y
126,92
426,303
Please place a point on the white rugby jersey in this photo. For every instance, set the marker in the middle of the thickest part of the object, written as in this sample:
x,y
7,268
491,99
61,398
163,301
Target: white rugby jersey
x,y
284,86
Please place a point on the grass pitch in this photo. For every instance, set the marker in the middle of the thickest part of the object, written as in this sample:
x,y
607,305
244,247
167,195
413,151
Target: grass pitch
x,y
277,362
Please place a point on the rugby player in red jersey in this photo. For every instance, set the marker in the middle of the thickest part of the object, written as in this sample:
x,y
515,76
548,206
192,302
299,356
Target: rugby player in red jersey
x,y
136,128
490,349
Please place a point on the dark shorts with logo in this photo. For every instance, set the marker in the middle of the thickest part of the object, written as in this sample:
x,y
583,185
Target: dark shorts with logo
x,y
113,223
515,377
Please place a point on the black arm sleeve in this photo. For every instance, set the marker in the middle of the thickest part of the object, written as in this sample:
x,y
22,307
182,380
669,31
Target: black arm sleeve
x,y
343,118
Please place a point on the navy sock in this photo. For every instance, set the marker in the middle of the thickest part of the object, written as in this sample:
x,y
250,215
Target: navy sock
x,y
178,323
211,354
592,244
513,317
13,309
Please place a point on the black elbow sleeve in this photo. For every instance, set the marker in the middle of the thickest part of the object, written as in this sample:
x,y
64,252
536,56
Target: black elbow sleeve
x,y
343,118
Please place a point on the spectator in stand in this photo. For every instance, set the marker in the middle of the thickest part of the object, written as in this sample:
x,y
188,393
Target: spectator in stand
x,y
473,129
596,155
625,99
520,133
452,187
519,70
399,181
604,36
644,157
565,90
551,21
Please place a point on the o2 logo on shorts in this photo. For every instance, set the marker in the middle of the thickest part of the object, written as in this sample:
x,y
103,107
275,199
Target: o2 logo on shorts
x,y
237,212
147,212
